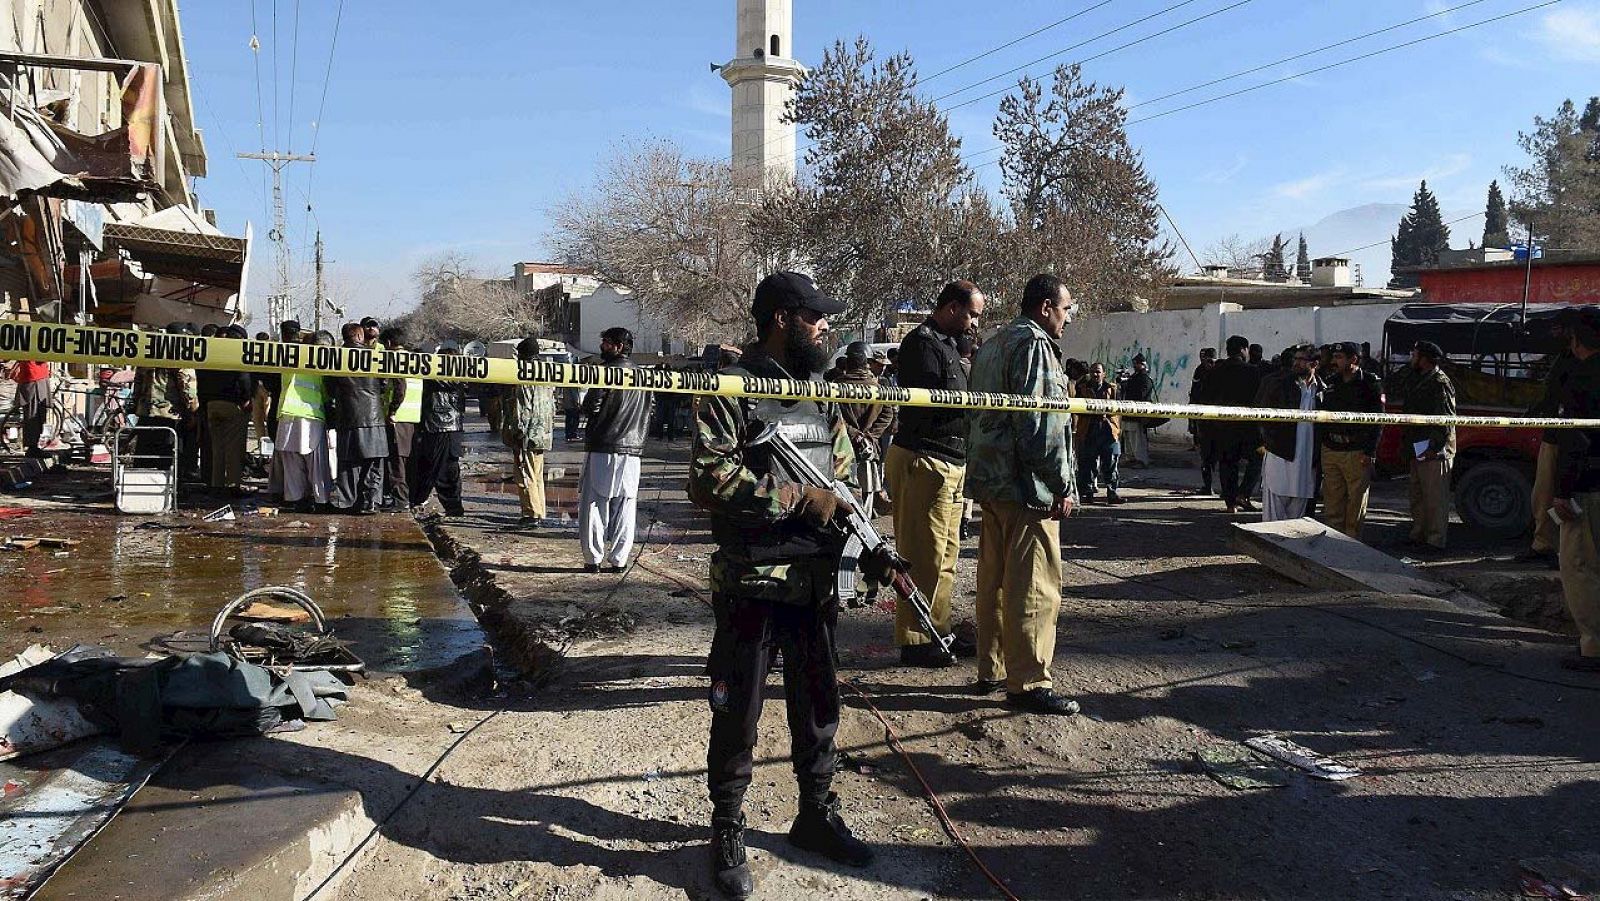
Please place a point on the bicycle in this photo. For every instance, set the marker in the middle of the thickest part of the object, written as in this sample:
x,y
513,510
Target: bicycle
x,y
111,416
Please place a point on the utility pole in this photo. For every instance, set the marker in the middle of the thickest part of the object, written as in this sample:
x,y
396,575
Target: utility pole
x,y
317,317
278,302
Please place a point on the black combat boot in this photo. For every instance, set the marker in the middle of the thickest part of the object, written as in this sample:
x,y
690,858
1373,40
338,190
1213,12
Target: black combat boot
x,y
729,869
819,828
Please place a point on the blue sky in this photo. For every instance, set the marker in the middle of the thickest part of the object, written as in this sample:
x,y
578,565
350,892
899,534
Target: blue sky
x,y
455,126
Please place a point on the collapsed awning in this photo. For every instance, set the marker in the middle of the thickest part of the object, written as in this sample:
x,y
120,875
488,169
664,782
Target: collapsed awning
x,y
40,156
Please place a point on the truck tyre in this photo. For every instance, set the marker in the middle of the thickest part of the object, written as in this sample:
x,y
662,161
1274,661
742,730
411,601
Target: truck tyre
x,y
1496,497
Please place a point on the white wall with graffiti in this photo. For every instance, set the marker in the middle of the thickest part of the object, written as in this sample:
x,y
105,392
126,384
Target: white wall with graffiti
x,y
1170,340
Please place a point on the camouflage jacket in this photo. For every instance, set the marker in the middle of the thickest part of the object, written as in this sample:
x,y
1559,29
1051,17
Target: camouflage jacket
x,y
527,417
164,393
721,484
1018,456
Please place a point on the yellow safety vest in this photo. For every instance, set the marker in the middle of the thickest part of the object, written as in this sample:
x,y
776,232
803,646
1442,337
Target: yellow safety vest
x,y
411,407
302,398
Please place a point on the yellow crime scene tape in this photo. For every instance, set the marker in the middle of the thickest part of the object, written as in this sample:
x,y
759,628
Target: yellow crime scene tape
x,y
85,344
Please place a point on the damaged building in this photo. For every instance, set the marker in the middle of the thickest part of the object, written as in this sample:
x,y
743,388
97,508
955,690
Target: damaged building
x,y
99,153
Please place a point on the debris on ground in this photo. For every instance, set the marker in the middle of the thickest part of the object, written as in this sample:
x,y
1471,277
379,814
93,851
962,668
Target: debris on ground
x,y
261,610
1239,768
1302,758
221,514
1573,877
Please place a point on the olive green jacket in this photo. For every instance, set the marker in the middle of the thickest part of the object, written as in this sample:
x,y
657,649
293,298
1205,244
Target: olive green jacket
x,y
1020,456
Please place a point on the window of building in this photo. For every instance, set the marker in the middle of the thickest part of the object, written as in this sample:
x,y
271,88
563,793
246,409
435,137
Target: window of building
x,y
777,48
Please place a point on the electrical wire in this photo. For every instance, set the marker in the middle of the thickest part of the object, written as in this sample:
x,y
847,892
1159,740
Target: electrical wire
x,y
1387,240
1346,62
276,109
1013,42
294,68
1333,65
1065,50
316,125
1302,55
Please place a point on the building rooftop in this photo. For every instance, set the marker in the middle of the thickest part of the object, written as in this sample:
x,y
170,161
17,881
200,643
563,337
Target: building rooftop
x,y
1191,292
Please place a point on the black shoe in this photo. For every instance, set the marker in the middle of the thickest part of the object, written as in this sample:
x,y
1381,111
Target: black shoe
x,y
928,656
987,686
591,567
730,870
1041,700
966,530
1247,506
613,568
963,647
1115,500
819,828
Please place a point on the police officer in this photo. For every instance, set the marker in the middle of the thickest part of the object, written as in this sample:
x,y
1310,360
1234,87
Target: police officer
x,y
773,578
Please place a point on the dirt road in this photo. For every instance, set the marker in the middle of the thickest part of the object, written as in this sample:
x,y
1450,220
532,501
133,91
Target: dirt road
x,y
1476,749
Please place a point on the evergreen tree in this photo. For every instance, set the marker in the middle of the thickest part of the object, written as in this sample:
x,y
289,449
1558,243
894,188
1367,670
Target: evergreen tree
x,y
1273,268
1302,261
1559,189
1494,219
1419,239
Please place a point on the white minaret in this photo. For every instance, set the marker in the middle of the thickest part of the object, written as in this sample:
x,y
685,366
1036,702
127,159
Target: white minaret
x,y
763,78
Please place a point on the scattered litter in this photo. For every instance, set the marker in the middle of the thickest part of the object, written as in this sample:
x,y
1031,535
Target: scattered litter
x,y
908,832
272,613
61,554
1302,758
21,544
114,599
519,889
1573,877
55,572
652,775
221,514
692,558
457,728
1239,769
1243,644
297,524
11,512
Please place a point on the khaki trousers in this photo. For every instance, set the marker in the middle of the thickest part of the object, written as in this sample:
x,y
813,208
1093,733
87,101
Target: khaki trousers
x,y
1430,500
227,426
1580,572
1345,483
1546,535
1019,595
530,486
927,532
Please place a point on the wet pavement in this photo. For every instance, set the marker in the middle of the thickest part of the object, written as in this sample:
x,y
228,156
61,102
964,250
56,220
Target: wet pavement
x,y
139,583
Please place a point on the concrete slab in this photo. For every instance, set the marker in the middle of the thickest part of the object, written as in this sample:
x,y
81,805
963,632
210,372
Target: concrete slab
x,y
1319,557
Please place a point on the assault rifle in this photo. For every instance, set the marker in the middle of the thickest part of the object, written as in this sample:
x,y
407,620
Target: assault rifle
x,y
863,544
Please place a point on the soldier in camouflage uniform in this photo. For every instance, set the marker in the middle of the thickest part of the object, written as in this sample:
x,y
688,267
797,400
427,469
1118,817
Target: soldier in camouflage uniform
x,y
773,578
164,397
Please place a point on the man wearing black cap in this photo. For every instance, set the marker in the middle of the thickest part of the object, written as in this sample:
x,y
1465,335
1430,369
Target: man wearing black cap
x,y
773,578
1135,438
1233,383
926,468
370,330
1430,448
1348,449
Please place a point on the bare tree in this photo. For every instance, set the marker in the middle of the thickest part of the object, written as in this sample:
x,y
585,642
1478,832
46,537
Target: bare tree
x,y
459,303
887,210
1234,252
672,230
1082,202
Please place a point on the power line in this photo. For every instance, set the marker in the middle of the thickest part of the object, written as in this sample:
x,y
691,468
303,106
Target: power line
x,y
1290,59
1064,50
1011,43
294,67
322,104
1119,47
275,108
1314,71
1345,62
255,52
1388,239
